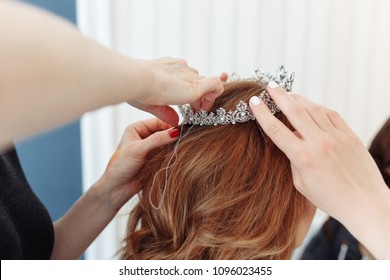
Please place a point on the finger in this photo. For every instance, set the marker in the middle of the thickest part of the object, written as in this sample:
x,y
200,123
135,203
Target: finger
x,y
144,129
158,139
163,112
207,101
207,104
223,77
202,104
280,134
337,121
166,114
195,106
294,111
179,61
316,112
210,88
192,69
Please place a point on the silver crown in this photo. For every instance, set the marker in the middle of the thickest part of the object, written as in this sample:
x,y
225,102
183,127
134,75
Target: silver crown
x,y
242,113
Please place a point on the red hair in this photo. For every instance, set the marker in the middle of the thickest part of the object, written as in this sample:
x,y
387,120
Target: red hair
x,y
230,194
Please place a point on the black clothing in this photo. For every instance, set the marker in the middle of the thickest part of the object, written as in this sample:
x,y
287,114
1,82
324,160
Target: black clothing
x,y
26,229
332,242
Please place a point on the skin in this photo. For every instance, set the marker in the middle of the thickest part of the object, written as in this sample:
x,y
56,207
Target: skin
x,y
76,230
53,74
304,224
44,64
342,176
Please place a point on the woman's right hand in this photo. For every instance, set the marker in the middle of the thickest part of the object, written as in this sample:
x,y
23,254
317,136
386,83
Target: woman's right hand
x,y
172,82
331,166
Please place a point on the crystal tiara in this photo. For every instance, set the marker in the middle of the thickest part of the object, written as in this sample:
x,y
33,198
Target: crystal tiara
x,y
242,113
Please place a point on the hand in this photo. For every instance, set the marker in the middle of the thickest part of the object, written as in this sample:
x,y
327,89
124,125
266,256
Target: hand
x,y
204,103
330,165
137,141
173,82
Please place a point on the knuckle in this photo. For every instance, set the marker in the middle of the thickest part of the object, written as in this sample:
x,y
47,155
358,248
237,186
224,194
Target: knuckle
x,y
131,127
325,146
322,109
314,108
181,61
355,140
296,96
333,114
279,91
274,128
296,110
309,105
158,137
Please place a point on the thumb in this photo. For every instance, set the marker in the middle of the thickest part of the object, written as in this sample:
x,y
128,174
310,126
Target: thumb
x,y
210,88
165,113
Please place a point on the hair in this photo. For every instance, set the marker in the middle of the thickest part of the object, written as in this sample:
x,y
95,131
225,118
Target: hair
x,y
230,194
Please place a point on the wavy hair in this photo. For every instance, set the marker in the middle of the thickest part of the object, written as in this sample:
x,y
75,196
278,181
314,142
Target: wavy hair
x,y
230,194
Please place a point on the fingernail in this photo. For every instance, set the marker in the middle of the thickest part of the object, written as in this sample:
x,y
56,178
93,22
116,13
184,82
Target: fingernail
x,y
174,133
255,100
273,84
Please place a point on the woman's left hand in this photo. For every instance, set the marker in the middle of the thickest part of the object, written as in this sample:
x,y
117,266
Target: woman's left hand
x,y
136,143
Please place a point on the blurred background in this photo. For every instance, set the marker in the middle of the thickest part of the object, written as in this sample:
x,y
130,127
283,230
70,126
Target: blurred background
x,y
339,51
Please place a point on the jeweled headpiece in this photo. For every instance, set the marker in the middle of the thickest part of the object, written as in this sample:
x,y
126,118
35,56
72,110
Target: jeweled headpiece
x,y
242,113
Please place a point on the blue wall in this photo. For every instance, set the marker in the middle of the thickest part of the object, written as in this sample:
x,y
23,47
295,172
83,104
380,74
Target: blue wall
x,y
52,161
63,8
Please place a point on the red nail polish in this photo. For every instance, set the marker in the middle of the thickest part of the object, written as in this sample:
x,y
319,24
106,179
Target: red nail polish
x,y
174,133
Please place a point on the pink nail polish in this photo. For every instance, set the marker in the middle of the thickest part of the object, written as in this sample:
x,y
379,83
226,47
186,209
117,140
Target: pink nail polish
x,y
174,133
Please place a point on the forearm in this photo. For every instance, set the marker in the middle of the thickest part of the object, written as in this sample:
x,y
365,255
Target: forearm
x,y
80,226
51,74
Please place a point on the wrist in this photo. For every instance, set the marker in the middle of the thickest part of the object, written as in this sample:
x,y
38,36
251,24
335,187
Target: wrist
x,y
111,195
137,76
119,78
369,222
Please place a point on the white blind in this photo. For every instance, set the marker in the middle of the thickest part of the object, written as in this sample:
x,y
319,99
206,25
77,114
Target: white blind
x,y
339,50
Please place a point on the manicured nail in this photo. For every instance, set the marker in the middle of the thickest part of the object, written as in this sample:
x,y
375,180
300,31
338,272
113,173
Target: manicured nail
x,y
255,100
174,133
273,84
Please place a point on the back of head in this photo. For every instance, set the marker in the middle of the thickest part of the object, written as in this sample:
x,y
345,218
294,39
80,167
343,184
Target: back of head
x,y
229,195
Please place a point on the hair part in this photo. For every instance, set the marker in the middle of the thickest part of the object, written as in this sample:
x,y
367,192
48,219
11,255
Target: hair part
x,y
230,194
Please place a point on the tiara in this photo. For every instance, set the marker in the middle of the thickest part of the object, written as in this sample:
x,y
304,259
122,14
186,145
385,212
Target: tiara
x,y
242,113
